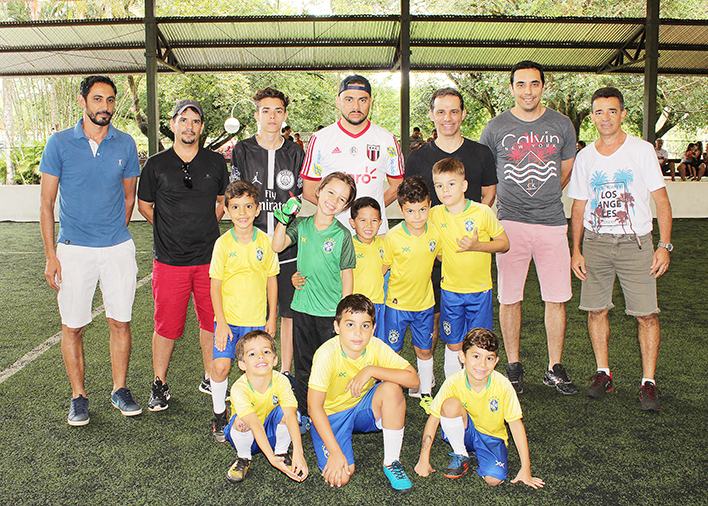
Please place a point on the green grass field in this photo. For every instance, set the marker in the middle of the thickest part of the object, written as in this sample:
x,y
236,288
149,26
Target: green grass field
x,y
588,452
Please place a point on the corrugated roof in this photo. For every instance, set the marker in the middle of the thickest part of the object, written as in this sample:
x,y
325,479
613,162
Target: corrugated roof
x,y
438,43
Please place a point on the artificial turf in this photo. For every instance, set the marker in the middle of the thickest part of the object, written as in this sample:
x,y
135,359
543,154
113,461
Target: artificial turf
x,y
587,451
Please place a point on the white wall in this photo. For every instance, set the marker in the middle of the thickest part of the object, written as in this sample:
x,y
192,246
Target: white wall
x,y
688,200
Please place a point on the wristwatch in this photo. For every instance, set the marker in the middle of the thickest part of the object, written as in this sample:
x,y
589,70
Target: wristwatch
x,y
669,247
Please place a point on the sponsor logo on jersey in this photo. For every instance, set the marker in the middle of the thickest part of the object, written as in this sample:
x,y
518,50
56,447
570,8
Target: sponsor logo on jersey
x,y
432,244
285,180
393,336
373,151
256,181
353,151
328,246
233,254
259,254
317,170
493,404
337,151
275,400
359,256
391,152
469,225
342,375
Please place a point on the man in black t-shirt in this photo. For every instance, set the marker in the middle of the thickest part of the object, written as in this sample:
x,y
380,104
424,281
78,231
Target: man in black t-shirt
x,y
447,110
272,164
181,193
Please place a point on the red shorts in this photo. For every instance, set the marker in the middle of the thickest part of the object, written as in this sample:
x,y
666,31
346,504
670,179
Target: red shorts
x,y
171,288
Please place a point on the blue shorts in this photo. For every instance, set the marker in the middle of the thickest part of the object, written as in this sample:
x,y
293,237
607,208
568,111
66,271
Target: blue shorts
x,y
230,350
271,423
491,452
461,312
357,419
380,322
421,323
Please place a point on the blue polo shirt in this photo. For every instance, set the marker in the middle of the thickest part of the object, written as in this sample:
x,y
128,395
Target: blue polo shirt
x,y
91,194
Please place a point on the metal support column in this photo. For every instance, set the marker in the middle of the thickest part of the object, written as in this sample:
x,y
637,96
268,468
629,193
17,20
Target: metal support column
x,y
651,70
153,108
405,76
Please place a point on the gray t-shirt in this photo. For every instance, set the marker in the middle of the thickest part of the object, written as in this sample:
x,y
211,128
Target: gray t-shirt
x,y
528,156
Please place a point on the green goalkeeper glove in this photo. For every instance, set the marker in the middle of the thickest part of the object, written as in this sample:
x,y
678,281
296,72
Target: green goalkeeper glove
x,y
287,211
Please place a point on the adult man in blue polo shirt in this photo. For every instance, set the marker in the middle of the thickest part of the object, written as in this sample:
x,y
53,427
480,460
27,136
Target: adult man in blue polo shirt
x,y
94,169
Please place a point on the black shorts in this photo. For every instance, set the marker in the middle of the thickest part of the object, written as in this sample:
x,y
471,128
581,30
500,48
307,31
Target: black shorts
x,y
286,288
435,277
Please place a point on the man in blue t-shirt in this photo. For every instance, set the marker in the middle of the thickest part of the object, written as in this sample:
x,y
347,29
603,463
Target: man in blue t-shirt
x,y
94,169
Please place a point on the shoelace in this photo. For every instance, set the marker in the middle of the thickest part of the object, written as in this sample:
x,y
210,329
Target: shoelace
x,y
397,469
599,379
456,460
650,390
126,396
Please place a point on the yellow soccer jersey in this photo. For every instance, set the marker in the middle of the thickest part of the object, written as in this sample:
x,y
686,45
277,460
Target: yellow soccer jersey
x,y
368,274
411,259
332,371
469,271
245,400
244,270
488,409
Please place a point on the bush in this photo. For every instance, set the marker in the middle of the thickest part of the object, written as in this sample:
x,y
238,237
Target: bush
x,y
26,161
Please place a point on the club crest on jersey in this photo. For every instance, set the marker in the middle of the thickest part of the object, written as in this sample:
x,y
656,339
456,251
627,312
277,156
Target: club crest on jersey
x,y
328,246
391,152
432,246
469,225
259,254
285,179
447,328
494,405
275,400
381,253
393,336
353,151
373,151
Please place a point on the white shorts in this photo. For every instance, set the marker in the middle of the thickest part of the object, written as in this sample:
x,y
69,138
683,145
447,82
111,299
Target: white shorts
x,y
81,267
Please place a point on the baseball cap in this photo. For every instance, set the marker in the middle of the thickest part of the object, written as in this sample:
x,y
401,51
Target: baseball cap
x,y
355,82
188,103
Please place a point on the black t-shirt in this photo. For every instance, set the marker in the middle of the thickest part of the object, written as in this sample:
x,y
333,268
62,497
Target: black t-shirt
x,y
275,172
480,167
184,223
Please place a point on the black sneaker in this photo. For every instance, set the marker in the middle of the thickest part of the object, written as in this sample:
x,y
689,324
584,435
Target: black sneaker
x,y
515,373
286,459
459,465
78,412
205,388
219,423
557,377
159,395
649,397
601,383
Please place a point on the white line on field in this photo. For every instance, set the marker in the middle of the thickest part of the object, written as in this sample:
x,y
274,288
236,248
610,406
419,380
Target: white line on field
x,y
37,352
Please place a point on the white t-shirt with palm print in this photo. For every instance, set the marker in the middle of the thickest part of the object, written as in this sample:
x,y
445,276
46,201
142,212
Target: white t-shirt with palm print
x,y
617,187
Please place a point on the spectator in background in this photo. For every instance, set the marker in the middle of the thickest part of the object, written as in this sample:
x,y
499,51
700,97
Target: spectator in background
x,y
667,167
298,141
416,139
691,165
581,145
286,133
433,135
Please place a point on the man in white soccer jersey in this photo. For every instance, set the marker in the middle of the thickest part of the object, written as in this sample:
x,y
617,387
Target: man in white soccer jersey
x,y
358,147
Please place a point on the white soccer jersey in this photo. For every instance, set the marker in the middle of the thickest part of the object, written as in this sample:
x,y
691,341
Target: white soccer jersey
x,y
369,157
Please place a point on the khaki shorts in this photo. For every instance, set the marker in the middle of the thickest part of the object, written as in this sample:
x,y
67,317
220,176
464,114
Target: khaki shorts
x,y
82,267
607,256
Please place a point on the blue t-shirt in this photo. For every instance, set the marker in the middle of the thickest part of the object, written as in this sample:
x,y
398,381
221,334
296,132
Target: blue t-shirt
x,y
91,194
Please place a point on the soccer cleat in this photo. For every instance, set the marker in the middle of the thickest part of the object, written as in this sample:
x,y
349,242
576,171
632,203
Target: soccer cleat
x,y
397,477
557,377
425,401
286,459
205,388
601,384
515,373
123,400
416,393
305,423
459,465
649,397
219,423
78,412
237,472
159,395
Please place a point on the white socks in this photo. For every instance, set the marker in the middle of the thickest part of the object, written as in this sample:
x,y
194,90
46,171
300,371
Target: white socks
x,y
393,440
425,373
452,362
282,439
218,394
454,429
243,442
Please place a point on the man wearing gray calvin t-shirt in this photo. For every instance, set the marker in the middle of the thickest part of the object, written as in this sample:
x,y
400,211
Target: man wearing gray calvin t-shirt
x,y
534,148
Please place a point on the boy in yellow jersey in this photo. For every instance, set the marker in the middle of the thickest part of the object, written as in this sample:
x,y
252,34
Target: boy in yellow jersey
x,y
243,278
264,411
369,247
410,249
471,407
355,386
469,234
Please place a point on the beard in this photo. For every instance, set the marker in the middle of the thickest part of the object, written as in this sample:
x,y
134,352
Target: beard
x,y
356,121
99,121
188,140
